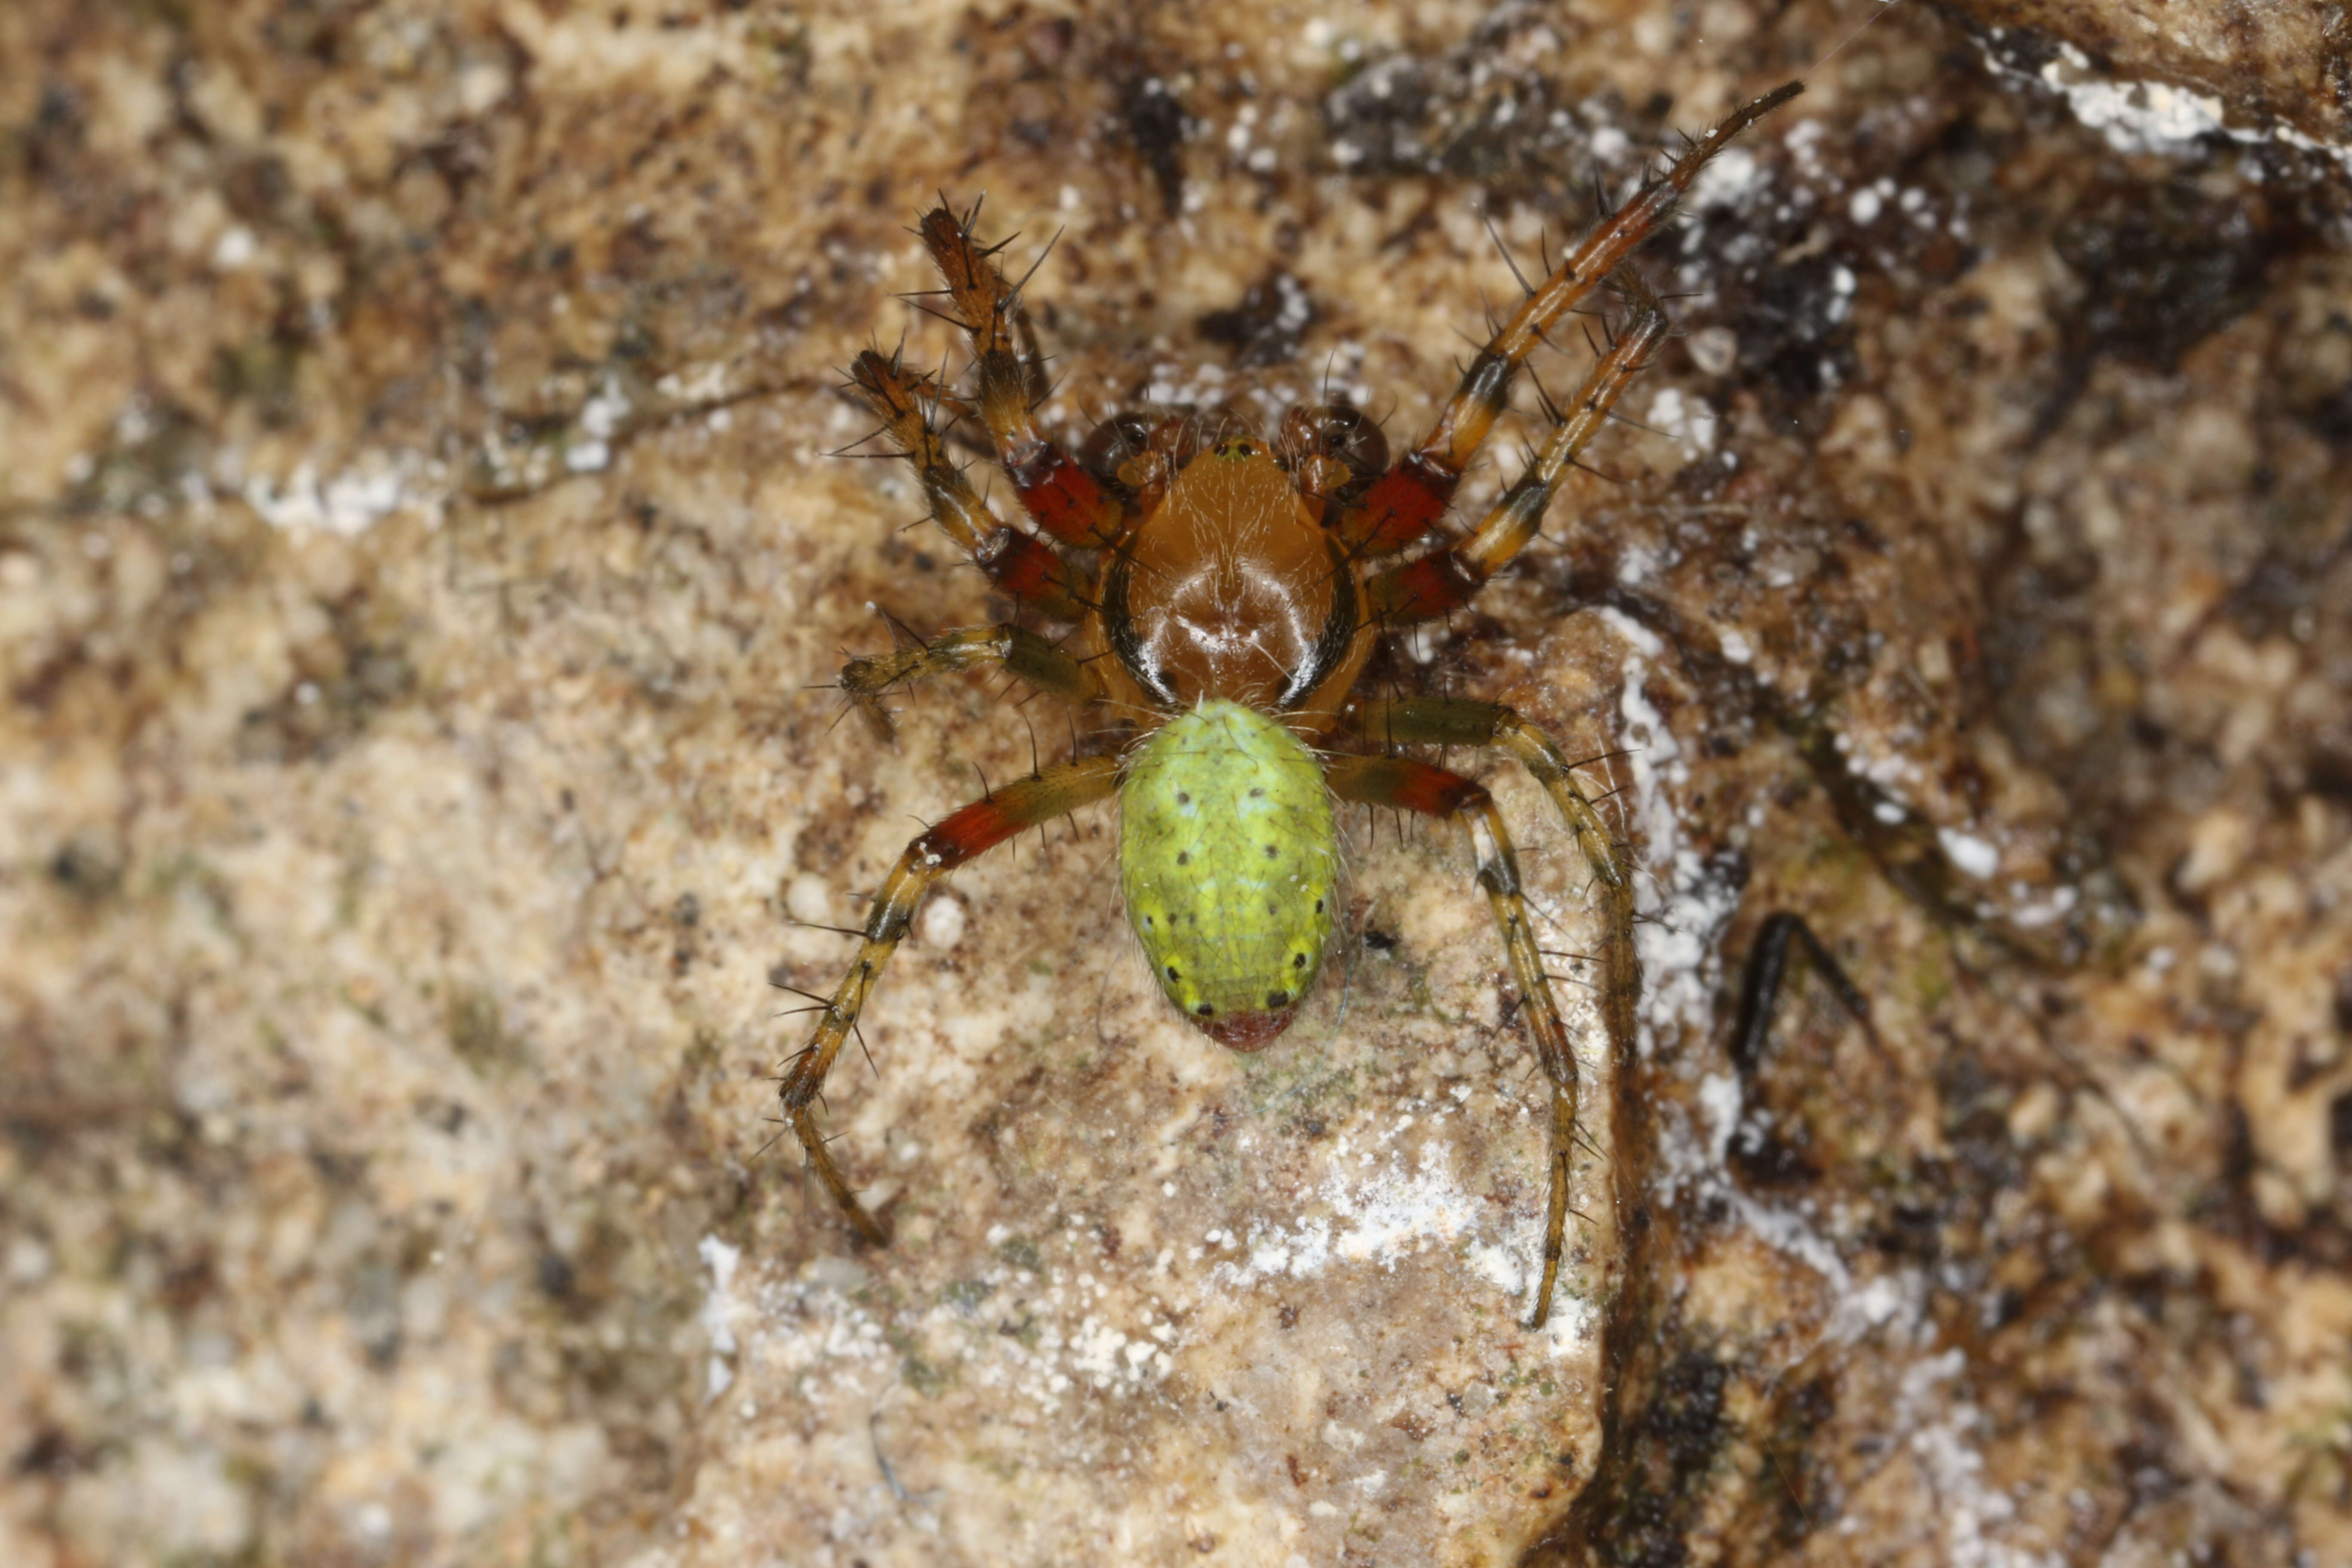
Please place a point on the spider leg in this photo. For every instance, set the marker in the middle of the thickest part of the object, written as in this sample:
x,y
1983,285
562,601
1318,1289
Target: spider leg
x,y
967,833
1019,563
1410,785
1437,583
1067,500
1460,721
1408,500
1021,653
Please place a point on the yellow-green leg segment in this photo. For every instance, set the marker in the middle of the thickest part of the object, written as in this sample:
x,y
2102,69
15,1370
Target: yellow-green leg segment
x,y
1417,786
1431,791
1022,652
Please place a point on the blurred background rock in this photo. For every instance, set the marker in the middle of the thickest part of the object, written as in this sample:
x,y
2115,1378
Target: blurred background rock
x,y
415,552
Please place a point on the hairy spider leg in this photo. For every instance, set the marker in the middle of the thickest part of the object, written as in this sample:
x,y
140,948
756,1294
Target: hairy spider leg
x,y
972,831
1067,500
1416,786
1460,721
1019,563
1020,652
1407,501
1438,584
1759,991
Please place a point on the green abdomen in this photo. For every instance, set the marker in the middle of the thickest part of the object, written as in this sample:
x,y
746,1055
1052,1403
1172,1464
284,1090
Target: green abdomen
x,y
1229,859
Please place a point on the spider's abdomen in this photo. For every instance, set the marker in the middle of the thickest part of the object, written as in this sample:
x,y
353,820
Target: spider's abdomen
x,y
1229,857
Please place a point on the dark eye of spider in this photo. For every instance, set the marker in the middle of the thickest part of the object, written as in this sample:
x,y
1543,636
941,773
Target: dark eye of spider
x,y
1338,430
1116,442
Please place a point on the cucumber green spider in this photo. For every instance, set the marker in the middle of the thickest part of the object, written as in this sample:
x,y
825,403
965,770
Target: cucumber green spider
x,y
1227,591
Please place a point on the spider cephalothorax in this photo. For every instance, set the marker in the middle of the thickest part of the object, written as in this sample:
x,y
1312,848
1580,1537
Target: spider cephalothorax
x,y
1226,590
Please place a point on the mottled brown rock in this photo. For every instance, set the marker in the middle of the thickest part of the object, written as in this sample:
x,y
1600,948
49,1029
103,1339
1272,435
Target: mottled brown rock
x,y
2269,62
416,553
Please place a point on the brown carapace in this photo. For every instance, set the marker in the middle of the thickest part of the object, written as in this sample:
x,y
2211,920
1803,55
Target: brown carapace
x,y
1223,591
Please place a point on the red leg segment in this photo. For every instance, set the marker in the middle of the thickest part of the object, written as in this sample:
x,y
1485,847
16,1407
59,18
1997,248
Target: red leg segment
x,y
1064,497
1437,584
1020,563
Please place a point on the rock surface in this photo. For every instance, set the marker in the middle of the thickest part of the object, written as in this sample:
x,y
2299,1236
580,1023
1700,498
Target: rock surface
x,y
2255,65
417,554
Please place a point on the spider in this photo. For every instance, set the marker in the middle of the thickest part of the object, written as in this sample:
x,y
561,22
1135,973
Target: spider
x,y
1227,591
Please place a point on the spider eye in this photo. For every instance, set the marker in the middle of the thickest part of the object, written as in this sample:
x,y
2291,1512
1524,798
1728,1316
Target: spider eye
x,y
1356,441
1116,442
1339,431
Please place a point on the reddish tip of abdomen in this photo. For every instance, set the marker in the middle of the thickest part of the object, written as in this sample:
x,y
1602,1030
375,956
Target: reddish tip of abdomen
x,y
1246,1031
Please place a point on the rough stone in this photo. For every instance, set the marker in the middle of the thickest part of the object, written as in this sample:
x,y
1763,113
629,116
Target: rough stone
x,y
417,550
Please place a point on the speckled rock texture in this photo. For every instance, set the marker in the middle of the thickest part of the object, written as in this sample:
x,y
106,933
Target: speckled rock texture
x,y
2256,65
421,568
